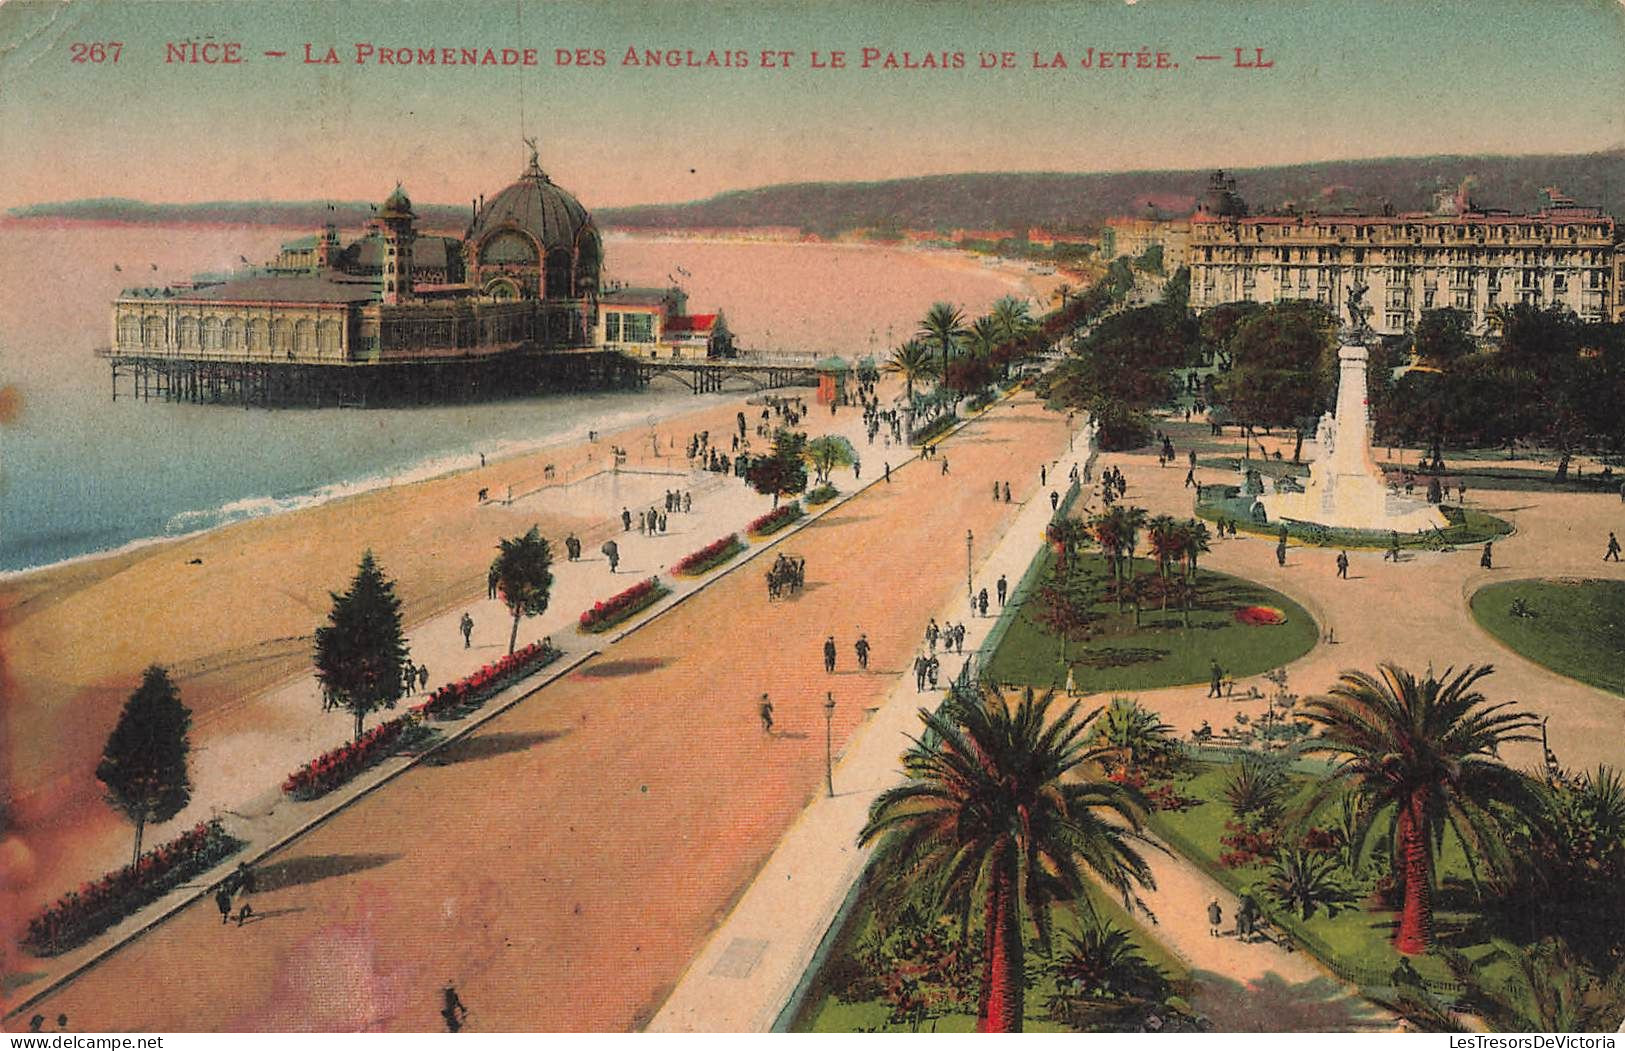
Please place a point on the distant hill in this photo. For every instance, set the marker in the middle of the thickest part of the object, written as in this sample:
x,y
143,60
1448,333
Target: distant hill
x,y
1057,200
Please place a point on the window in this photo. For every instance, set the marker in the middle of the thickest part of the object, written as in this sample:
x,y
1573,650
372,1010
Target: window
x,y
129,331
638,328
612,328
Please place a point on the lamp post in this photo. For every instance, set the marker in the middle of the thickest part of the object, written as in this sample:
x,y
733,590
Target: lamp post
x,y
970,591
829,743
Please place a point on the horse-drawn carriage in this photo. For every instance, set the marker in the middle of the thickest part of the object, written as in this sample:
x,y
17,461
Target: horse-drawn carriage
x,y
787,576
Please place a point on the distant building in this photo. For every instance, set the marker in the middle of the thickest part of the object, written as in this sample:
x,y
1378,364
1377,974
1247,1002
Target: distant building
x,y
1131,237
1458,255
653,323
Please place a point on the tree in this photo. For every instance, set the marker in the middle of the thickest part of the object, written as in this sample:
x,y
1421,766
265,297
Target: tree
x,y
1443,337
1062,294
1167,546
944,326
1302,879
1065,535
144,763
1133,733
1065,606
827,452
1421,753
1012,320
1197,539
913,362
1100,960
782,471
995,809
983,337
1284,368
523,571
361,650
1117,530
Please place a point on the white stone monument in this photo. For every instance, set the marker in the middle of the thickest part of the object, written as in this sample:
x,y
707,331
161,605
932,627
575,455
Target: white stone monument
x,y
1345,487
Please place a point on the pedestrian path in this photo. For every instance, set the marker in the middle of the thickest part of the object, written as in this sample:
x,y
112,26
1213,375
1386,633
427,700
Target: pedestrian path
x,y
238,776
751,967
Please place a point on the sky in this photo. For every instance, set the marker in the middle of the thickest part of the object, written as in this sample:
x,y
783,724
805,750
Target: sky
x,y
1349,79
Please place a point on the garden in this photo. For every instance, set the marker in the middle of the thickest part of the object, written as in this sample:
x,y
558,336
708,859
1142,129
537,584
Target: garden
x,y
1569,626
612,611
456,699
1150,639
775,519
1468,526
332,769
709,557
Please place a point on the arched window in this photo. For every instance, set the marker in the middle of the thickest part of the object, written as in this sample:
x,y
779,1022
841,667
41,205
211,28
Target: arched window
x,y
223,336
588,260
557,283
258,336
304,338
509,247
327,339
186,333
281,337
152,332
129,330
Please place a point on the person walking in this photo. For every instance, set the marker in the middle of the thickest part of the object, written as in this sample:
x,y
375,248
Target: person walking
x,y
1006,492
919,673
1342,565
452,1009
981,602
1216,677
861,647
626,520
1486,560
222,901
1613,549
1215,917
1280,549
1393,547
829,654
1190,478
467,627
1002,586
423,677
765,710
944,465
1054,500
244,913
612,551
1043,476
888,473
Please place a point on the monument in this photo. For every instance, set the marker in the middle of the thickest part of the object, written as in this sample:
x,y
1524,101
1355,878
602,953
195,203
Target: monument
x,y
1345,488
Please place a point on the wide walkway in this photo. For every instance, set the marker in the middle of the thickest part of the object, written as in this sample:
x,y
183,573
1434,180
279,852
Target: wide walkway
x,y
563,864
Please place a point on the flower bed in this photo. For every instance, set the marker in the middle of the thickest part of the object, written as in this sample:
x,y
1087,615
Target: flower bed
x,y
332,769
1261,615
776,519
80,915
937,426
476,689
709,557
640,596
823,494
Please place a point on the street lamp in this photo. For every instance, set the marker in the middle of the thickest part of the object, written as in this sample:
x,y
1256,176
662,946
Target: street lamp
x,y
969,590
829,744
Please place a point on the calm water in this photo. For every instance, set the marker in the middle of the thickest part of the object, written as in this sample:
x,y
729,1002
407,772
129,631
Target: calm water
x,y
80,473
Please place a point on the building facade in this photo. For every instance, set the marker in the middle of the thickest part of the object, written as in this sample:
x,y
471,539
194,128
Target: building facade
x,y
1459,255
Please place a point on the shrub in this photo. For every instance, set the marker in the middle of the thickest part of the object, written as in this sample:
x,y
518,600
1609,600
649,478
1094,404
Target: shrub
x,y
332,769
476,689
823,494
709,557
638,597
776,519
80,915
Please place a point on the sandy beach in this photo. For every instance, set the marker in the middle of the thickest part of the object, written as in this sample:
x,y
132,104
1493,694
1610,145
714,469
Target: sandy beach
x,y
232,613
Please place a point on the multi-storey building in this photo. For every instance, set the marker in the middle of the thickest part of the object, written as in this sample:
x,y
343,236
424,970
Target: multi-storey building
x,y
1123,235
1459,255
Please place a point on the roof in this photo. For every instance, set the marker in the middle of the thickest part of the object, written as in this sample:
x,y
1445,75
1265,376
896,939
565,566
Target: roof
x,y
832,364
427,252
301,243
534,205
396,206
635,297
690,323
260,288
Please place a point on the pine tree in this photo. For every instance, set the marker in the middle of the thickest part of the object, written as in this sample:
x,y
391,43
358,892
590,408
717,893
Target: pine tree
x,y
144,763
361,650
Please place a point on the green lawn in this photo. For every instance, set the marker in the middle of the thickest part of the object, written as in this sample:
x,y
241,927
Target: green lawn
x,y
1574,627
1357,939
824,1011
1161,651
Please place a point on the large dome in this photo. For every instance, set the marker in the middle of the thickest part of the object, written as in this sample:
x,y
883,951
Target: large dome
x,y
534,205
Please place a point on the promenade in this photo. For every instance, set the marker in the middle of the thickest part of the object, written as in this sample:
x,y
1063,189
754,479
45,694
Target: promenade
x,y
585,842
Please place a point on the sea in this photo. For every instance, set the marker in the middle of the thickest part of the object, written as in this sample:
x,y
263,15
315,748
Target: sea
x,y
82,474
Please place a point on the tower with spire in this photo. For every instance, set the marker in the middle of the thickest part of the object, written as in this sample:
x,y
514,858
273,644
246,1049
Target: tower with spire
x,y
396,219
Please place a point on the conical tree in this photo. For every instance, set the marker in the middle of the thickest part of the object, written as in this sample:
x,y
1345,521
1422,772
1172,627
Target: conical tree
x,y
995,810
144,763
361,650
523,571
1422,755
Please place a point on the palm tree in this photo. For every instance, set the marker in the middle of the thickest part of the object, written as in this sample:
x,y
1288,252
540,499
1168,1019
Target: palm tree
x,y
1167,546
1063,292
1302,879
1065,535
1012,320
1121,527
944,326
913,362
523,573
1132,732
1105,528
1198,541
1422,754
983,338
994,808
1101,961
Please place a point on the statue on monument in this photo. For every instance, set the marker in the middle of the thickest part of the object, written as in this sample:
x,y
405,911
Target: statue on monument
x,y
1357,309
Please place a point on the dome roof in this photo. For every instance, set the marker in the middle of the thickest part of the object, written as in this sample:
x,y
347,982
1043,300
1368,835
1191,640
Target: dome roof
x,y
397,205
539,208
